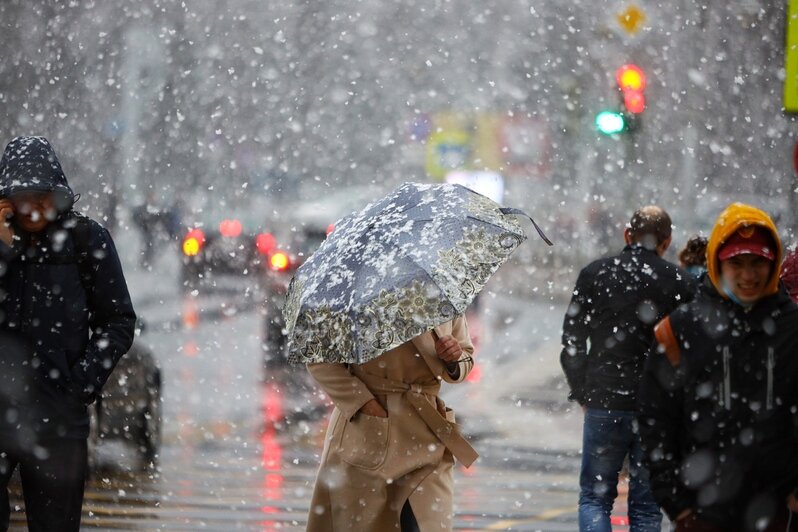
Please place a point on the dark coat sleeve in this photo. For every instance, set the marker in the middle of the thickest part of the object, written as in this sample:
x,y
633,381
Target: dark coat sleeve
x,y
112,320
660,422
575,333
687,287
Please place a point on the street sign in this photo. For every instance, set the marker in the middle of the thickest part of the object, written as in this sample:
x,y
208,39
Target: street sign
x,y
631,19
447,151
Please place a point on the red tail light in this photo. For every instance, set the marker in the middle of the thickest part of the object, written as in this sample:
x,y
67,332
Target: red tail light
x,y
265,242
230,228
193,242
279,261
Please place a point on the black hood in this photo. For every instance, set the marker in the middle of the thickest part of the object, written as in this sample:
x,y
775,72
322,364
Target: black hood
x,y
29,164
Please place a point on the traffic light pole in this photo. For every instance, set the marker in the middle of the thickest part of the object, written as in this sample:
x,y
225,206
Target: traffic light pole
x,y
631,148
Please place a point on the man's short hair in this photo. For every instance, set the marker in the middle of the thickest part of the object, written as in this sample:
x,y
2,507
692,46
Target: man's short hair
x,y
650,226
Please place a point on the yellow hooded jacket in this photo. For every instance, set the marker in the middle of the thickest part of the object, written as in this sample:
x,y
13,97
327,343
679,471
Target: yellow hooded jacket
x,y
734,217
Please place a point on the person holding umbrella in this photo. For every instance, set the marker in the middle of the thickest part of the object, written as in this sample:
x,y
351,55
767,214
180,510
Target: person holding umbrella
x,y
383,460
376,315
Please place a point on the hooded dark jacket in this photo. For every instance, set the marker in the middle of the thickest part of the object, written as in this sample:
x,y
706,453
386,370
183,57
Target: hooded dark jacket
x,y
61,334
614,307
718,411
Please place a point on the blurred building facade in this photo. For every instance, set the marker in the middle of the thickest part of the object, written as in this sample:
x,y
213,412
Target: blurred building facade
x,y
295,98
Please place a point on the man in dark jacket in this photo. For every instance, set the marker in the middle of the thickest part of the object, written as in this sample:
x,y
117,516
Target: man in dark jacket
x,y
719,396
615,304
65,321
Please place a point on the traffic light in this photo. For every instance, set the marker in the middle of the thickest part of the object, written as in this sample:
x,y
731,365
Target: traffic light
x,y
632,82
610,122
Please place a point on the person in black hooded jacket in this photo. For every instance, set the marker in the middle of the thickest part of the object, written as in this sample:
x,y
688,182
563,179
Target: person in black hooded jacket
x,y
607,331
718,402
65,321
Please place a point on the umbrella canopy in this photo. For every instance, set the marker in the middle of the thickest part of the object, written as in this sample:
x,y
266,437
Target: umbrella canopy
x,y
404,264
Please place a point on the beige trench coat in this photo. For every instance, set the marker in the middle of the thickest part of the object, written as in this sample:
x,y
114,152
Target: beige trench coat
x,y
370,465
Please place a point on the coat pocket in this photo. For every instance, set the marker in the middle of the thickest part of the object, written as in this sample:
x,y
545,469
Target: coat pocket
x,y
364,442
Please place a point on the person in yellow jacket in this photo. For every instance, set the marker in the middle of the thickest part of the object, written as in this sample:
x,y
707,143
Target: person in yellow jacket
x,y
391,441
718,402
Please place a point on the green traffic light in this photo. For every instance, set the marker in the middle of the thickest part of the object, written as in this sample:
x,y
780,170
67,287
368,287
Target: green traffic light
x,y
610,122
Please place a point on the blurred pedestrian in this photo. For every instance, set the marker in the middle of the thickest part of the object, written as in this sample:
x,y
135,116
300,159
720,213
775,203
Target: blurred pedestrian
x,y
615,304
789,273
65,320
719,396
388,455
157,225
693,257
146,217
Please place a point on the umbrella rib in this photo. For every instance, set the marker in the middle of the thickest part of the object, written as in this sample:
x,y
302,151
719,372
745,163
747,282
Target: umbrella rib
x,y
487,222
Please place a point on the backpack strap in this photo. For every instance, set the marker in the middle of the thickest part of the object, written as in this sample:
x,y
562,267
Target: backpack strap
x,y
663,332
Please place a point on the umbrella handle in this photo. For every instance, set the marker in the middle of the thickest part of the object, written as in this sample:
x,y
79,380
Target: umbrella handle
x,y
435,334
510,210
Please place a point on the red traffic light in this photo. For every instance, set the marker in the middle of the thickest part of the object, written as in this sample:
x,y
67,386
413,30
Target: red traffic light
x,y
632,82
634,101
630,78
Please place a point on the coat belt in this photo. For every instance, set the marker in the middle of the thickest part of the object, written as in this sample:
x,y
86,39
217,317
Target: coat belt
x,y
446,431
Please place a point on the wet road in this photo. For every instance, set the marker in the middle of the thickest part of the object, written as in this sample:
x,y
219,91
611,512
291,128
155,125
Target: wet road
x,y
239,486
241,442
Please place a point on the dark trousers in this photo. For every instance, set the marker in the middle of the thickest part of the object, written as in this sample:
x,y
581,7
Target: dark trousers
x,y
53,479
609,436
407,520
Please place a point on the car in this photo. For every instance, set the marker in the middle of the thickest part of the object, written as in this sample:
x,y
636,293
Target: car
x,y
225,239
212,252
129,408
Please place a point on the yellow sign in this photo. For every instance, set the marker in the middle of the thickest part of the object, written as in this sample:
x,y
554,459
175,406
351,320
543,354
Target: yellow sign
x,y
514,145
631,19
791,59
447,150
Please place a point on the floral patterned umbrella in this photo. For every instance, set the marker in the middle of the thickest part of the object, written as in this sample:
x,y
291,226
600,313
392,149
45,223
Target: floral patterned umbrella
x,y
404,264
